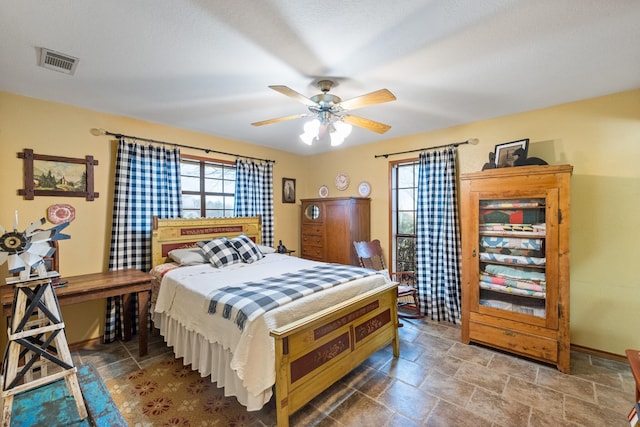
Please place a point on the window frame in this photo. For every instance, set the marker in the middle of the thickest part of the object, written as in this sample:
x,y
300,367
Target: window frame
x,y
203,161
393,209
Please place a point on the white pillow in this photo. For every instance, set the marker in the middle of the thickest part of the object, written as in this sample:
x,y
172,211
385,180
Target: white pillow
x,y
188,256
266,249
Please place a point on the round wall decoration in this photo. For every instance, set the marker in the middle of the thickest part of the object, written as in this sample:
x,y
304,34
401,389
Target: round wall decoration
x,y
364,189
323,191
57,214
342,181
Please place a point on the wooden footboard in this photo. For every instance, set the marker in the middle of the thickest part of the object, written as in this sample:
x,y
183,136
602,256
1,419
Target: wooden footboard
x,y
316,351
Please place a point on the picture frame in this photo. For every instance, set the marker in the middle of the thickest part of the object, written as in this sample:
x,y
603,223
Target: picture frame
x,y
505,153
288,190
46,175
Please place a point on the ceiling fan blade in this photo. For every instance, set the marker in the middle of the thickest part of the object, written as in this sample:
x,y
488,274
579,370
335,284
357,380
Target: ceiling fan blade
x,y
295,95
377,97
280,119
366,123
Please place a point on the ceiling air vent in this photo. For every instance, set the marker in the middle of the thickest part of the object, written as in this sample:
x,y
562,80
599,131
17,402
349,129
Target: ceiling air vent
x,y
57,61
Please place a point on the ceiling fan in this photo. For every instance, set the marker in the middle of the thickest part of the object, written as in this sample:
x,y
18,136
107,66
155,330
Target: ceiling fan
x,y
330,110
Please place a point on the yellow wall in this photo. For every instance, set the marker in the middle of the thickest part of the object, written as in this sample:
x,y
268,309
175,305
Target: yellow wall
x,y
600,137
62,130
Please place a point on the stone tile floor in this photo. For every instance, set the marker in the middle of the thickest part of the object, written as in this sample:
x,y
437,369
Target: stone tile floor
x,y
438,381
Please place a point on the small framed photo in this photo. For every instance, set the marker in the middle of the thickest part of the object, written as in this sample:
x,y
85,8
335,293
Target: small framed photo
x,y
506,154
288,190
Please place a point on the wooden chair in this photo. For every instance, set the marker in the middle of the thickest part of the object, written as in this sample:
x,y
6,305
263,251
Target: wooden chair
x,y
370,256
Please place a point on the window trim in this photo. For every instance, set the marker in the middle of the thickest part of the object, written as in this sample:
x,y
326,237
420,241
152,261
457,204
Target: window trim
x,y
392,240
202,161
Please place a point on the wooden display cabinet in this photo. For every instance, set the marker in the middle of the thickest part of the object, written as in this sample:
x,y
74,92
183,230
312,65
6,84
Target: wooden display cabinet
x,y
515,261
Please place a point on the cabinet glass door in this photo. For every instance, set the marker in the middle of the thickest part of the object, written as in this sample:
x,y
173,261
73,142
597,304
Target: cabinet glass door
x,y
511,255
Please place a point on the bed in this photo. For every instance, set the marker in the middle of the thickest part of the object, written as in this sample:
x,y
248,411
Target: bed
x,y
297,349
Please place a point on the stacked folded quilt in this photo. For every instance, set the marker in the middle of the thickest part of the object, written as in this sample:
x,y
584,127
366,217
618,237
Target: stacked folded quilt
x,y
509,242
504,204
514,281
512,235
512,259
507,229
515,273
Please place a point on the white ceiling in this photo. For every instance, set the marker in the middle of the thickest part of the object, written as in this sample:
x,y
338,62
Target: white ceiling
x,y
205,65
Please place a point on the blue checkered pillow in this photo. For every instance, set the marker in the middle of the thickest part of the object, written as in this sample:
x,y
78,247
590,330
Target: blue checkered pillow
x,y
220,252
248,251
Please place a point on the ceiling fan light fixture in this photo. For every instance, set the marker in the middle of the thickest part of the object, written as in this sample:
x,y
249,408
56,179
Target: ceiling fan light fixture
x,y
339,132
307,138
331,113
311,131
312,127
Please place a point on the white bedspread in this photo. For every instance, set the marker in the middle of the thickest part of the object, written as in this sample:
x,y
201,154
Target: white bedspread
x,y
183,299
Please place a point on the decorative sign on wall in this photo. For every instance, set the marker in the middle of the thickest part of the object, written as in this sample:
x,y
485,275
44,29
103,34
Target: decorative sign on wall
x,y
46,175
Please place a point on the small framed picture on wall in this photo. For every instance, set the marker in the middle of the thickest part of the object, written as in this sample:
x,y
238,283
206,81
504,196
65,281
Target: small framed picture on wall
x,y
288,190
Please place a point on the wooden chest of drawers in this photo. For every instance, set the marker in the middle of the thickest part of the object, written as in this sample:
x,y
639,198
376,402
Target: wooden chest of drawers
x,y
312,243
330,226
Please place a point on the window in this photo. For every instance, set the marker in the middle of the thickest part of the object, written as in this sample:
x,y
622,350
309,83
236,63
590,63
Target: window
x,y
208,187
404,183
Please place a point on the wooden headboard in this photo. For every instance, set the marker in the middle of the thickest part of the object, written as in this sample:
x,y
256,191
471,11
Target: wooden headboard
x,y
177,233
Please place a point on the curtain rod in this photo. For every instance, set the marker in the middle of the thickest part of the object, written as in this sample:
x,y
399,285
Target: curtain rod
x,y
99,132
472,141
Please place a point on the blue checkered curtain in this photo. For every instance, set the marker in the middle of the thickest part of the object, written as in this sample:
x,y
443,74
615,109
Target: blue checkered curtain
x,y
147,183
438,251
254,194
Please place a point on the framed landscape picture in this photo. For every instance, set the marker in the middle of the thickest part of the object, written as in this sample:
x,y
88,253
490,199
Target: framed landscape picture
x,y
46,175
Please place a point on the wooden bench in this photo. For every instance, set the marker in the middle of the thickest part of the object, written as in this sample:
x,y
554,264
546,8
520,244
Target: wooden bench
x,y
89,287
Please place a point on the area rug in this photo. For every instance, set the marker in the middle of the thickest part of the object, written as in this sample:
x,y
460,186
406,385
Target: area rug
x,y
53,405
170,394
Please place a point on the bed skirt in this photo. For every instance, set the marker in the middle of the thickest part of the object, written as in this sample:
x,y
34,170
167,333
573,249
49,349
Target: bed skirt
x,y
208,359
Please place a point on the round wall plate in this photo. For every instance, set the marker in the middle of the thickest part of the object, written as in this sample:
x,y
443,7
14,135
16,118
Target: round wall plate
x,y
323,191
57,214
342,181
364,189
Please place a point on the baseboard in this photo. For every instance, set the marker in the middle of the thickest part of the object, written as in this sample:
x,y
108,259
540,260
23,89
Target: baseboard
x,y
599,353
85,344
